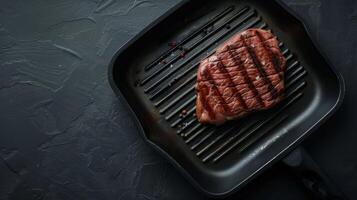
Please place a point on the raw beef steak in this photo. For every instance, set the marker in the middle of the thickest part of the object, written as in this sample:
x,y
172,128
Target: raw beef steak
x,y
245,74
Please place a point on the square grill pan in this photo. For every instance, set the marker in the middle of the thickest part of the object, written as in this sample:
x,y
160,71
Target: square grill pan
x,y
156,73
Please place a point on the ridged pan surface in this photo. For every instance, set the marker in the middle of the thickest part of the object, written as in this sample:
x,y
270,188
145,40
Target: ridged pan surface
x,y
156,74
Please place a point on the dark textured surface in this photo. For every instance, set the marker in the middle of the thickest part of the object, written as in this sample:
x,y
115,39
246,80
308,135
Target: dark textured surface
x,y
65,135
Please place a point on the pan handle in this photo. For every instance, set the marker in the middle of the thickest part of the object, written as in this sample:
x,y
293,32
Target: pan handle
x,y
314,180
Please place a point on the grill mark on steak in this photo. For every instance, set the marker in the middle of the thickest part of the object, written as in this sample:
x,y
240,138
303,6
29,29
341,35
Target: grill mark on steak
x,y
208,76
236,93
239,47
272,56
259,66
267,99
245,75
237,84
204,102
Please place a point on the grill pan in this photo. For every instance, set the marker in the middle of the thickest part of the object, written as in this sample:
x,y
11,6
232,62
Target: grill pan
x,y
155,74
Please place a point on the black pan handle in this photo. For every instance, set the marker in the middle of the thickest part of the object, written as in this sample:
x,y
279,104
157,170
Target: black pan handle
x,y
304,167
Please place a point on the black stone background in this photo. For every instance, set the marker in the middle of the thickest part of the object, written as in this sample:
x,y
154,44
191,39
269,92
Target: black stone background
x,y
65,135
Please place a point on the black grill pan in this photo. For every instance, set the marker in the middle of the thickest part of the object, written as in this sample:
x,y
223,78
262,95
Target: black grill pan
x,y
156,71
